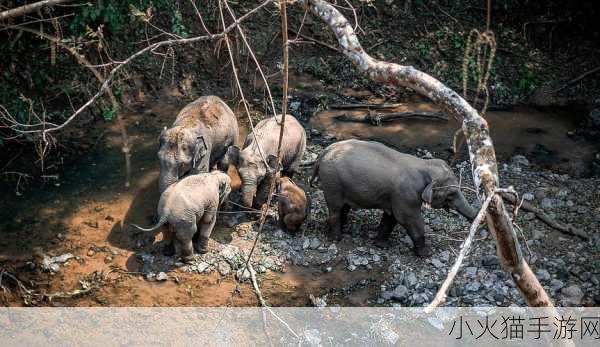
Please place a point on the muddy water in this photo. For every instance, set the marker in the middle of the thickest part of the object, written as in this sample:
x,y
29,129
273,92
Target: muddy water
x,y
541,136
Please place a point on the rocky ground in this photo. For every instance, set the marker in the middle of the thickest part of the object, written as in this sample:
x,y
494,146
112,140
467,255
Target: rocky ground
x,y
569,268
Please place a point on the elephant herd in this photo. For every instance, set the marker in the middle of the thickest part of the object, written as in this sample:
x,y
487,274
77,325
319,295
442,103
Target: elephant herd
x,y
352,174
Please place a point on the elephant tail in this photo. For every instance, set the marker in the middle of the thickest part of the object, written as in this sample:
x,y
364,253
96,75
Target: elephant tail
x,y
161,222
315,173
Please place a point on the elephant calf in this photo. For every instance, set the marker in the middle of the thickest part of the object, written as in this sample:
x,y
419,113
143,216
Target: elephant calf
x,y
198,139
193,200
292,204
367,174
249,161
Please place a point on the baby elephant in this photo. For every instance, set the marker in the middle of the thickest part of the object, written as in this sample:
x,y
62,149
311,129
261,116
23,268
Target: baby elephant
x,y
194,199
366,174
292,203
260,150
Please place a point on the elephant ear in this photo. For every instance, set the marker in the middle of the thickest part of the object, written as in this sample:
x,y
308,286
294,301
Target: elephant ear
x,y
272,162
233,153
200,150
427,194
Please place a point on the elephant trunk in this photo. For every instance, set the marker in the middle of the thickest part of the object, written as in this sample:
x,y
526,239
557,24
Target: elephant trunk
x,y
248,191
462,206
165,180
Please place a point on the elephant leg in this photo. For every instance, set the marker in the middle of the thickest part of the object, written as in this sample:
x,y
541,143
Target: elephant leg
x,y
344,216
335,223
169,247
183,240
223,163
415,226
292,222
207,223
386,226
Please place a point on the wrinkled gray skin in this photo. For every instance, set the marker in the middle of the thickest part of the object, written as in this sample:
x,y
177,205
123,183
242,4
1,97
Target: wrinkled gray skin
x,y
367,174
252,168
197,140
190,207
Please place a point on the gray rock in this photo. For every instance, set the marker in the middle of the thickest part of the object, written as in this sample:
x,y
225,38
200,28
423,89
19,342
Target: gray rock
x,y
528,196
162,276
315,243
445,256
572,295
547,204
490,261
473,286
540,193
471,271
543,275
538,234
519,160
437,263
400,293
410,280
224,268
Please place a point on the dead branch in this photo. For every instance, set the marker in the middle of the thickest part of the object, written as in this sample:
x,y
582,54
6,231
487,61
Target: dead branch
x,y
577,79
378,118
564,228
25,9
41,127
312,39
481,149
367,106
440,297
83,61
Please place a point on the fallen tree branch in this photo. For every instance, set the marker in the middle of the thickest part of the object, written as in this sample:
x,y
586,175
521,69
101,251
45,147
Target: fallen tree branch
x,y
564,228
481,149
25,9
578,78
83,61
367,106
440,297
378,118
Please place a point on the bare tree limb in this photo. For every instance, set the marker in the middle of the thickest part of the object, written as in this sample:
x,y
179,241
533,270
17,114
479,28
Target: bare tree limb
x,y
25,9
481,150
378,118
564,228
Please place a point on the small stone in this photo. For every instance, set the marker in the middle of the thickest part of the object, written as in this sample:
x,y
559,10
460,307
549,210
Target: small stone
x,y
445,256
400,293
581,209
570,203
547,204
108,259
529,216
471,271
540,194
376,258
556,284
306,243
538,234
161,276
314,243
473,286
328,269
60,236
224,268
410,280
437,263
543,275
91,253
528,196
351,267
519,160
490,261
573,295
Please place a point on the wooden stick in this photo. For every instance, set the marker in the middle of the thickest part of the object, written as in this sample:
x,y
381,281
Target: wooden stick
x,y
564,228
367,106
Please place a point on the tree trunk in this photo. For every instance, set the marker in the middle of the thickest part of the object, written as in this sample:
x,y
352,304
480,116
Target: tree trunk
x,y
475,128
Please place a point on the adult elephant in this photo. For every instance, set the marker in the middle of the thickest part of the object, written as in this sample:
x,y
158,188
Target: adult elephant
x,y
367,174
197,140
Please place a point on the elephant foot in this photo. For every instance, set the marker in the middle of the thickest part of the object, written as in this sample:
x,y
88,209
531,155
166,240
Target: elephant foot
x,y
336,237
202,245
169,250
423,251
